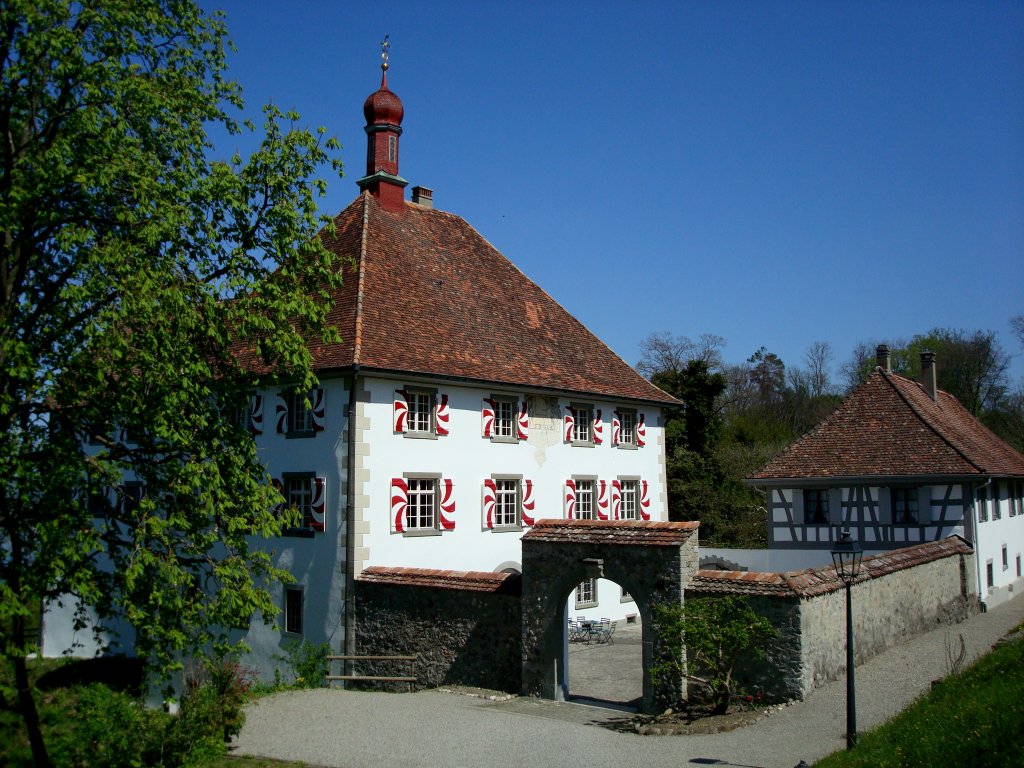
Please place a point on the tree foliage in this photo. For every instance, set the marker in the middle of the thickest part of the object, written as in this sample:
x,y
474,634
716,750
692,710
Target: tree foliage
x,y
704,640
135,273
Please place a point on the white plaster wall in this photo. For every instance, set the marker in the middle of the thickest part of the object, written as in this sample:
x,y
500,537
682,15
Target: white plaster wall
x,y
467,458
991,536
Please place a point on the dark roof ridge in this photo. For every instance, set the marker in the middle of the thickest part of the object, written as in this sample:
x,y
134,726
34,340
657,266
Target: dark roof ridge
x,y
890,377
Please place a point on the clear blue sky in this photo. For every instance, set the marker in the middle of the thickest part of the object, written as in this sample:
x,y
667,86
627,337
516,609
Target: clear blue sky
x,y
776,173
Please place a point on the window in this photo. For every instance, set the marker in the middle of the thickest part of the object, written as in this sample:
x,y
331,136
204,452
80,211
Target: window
x,y
132,493
1006,559
298,494
989,576
584,499
421,513
506,508
504,419
293,610
996,511
421,411
582,415
1018,567
628,508
904,506
816,506
1016,499
982,502
586,594
627,429
300,414
392,149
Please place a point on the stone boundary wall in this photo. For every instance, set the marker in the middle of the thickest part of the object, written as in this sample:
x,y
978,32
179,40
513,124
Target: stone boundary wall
x,y
463,625
898,595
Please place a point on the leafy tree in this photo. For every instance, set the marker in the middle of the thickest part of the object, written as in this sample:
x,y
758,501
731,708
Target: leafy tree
x,y
135,274
704,639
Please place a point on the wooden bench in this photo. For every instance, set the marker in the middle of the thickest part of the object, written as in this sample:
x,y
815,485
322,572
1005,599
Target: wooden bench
x,y
410,679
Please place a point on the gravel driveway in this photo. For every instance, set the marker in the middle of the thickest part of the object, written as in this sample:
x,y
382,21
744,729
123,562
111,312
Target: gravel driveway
x,y
436,729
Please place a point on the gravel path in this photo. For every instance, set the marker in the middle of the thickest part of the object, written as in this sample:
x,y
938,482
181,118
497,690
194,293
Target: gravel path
x,y
435,729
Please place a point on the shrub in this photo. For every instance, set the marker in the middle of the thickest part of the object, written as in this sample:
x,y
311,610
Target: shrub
x,y
308,663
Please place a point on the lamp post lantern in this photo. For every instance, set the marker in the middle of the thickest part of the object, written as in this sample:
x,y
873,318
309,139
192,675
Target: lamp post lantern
x,y
847,555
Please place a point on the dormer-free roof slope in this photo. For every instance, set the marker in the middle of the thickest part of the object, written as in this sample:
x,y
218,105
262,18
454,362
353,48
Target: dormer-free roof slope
x,y
427,295
890,427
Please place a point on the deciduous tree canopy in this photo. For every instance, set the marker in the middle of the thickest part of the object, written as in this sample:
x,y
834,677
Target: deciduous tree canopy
x,y
132,268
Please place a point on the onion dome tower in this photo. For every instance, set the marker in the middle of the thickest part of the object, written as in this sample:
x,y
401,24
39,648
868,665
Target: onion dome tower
x,y
383,111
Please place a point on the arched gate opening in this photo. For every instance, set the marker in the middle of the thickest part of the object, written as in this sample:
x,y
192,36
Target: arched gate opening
x,y
653,561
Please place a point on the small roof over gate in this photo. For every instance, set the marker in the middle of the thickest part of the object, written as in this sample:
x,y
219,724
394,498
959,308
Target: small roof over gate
x,y
644,533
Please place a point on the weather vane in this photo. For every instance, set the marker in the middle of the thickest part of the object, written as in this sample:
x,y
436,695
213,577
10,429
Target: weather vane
x,y
384,45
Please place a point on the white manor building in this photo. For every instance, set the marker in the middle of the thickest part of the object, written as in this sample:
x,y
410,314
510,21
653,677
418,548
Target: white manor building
x,y
461,405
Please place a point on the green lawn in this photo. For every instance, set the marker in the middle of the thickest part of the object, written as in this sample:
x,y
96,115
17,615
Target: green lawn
x,y
975,718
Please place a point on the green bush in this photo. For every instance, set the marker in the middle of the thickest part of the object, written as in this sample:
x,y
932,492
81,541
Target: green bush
x,y
308,663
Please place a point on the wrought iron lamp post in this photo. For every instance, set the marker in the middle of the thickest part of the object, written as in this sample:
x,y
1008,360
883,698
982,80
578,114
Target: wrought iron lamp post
x,y
847,556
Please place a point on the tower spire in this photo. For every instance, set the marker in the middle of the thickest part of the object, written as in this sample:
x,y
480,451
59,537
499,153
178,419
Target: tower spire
x,y
384,112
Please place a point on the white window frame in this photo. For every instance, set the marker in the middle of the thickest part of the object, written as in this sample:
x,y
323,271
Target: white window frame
x,y
585,492
422,412
584,590
627,437
430,496
508,490
300,414
583,424
298,489
505,428
634,484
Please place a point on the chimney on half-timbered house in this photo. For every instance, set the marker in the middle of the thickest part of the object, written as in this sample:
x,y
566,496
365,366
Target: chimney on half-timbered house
x,y
882,358
384,112
928,377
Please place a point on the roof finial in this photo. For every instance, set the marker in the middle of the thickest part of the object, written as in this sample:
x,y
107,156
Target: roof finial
x,y
384,45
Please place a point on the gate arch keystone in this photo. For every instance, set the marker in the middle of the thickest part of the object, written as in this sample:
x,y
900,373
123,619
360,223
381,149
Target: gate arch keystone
x,y
653,561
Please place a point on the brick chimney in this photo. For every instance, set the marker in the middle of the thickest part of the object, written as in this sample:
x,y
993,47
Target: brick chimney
x,y
882,358
423,196
928,380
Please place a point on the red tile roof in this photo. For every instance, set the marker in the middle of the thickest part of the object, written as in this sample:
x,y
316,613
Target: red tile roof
x,y
818,581
428,295
890,427
466,581
648,533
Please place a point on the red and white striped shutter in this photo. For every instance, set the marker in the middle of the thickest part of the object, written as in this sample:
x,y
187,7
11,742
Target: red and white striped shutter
x,y
401,412
317,398
598,426
256,414
645,500
282,416
399,503
569,422
319,505
528,503
441,416
487,417
616,428
570,499
523,425
489,501
616,499
447,505
602,499
641,431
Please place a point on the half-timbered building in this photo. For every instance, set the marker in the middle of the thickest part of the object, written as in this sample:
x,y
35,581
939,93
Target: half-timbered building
x,y
901,462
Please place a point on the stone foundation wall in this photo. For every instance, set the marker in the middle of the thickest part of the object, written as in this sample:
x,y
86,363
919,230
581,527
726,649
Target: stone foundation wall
x,y
463,626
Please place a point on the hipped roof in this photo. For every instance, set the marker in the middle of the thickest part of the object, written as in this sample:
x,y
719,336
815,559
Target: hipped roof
x,y
889,426
427,295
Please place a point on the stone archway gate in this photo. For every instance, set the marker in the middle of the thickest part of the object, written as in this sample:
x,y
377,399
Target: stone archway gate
x,y
653,561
